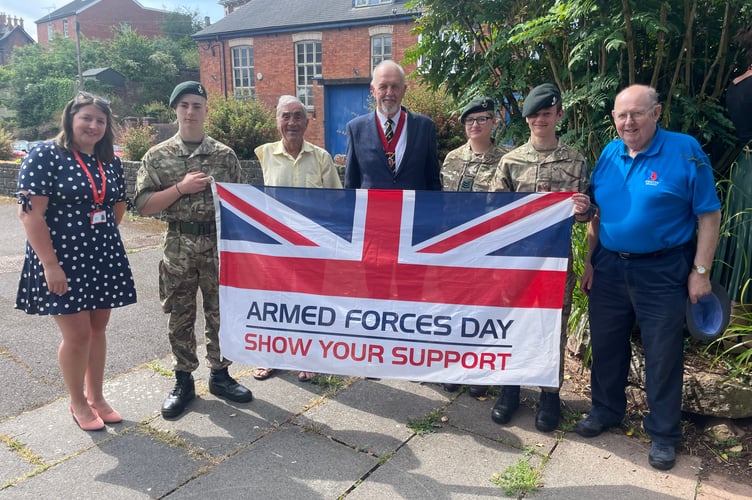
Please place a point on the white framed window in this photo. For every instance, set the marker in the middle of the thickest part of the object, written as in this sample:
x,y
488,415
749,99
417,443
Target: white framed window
x,y
50,30
307,67
243,75
381,49
65,28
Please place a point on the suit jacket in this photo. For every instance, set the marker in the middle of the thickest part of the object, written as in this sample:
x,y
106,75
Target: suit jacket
x,y
366,160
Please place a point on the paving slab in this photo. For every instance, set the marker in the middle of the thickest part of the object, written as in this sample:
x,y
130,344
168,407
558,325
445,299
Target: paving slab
x,y
135,465
12,465
474,415
442,465
290,463
613,466
715,487
373,415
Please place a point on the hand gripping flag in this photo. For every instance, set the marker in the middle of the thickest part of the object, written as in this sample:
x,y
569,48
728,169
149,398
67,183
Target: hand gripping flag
x,y
417,285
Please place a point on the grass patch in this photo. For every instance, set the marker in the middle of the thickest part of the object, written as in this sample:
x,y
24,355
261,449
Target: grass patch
x,y
519,479
330,383
18,447
427,424
156,368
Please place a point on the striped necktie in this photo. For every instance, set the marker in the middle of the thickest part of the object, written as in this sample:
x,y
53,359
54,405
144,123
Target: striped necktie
x,y
389,134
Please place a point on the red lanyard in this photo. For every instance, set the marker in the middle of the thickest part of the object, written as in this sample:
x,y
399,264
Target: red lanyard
x,y
390,146
98,196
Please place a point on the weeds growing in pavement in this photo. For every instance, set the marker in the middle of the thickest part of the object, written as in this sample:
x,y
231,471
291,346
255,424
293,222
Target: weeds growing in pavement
x,y
519,479
427,424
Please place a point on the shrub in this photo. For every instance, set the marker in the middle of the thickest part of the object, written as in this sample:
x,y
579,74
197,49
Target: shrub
x,y
450,133
6,145
242,124
157,110
136,141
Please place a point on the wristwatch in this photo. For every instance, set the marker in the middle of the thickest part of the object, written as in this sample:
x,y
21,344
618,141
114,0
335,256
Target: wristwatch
x,y
701,270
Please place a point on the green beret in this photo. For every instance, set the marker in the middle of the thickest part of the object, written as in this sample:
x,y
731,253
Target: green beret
x,y
477,105
187,88
541,97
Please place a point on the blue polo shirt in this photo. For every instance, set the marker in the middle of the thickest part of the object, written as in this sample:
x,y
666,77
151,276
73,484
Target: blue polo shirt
x,y
651,202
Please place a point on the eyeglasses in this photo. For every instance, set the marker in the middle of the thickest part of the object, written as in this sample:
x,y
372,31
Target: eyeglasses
x,y
481,120
634,115
87,96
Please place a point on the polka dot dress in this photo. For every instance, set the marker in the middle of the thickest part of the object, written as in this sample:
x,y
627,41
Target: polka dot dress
x,y
92,255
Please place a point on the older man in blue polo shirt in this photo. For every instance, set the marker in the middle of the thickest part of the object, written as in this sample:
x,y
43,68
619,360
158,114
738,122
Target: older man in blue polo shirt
x,y
651,246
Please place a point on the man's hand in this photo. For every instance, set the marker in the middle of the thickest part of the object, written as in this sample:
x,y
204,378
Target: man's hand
x,y
194,182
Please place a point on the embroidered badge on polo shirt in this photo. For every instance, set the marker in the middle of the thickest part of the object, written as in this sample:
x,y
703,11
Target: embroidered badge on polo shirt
x,y
652,179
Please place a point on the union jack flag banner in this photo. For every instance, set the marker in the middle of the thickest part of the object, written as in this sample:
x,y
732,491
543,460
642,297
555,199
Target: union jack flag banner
x,y
417,285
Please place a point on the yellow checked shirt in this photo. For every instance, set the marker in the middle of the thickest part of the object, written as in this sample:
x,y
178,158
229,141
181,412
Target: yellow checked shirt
x,y
312,168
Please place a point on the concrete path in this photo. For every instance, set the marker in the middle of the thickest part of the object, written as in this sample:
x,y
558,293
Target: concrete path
x,y
355,439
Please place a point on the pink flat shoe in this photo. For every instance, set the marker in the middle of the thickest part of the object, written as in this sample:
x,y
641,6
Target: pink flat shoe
x,y
92,425
113,417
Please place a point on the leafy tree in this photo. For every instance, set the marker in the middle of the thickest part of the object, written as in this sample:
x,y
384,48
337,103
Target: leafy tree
x,y
590,49
135,57
242,124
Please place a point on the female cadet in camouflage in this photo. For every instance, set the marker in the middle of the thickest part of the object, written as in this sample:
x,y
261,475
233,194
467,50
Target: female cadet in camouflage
x,y
544,163
174,181
471,168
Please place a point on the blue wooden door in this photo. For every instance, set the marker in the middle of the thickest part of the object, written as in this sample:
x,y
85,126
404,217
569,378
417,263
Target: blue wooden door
x,y
343,103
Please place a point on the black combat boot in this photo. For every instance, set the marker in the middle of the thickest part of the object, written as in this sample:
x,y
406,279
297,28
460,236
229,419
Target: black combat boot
x,y
507,404
223,385
547,418
182,394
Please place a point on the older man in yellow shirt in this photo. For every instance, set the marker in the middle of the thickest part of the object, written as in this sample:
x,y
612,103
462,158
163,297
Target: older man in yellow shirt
x,y
294,162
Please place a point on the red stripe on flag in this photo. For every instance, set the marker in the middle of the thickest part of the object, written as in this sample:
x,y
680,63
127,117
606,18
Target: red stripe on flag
x,y
260,217
409,282
495,223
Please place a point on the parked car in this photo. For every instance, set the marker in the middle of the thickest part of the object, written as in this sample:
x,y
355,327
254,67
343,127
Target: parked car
x,y
20,149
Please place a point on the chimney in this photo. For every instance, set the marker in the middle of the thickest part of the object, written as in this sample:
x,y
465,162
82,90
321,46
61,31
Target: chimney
x,y
207,21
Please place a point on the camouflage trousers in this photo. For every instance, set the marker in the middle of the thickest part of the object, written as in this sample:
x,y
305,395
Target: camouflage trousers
x,y
190,263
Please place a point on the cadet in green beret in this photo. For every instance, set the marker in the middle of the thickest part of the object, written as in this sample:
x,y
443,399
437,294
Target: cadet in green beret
x,y
174,183
471,167
544,163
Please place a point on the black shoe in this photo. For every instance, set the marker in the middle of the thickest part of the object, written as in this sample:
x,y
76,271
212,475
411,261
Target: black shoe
x,y
589,427
662,456
450,387
223,385
182,394
477,391
506,405
549,412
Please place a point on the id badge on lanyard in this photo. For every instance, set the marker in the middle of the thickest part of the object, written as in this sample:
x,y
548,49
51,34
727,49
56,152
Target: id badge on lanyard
x,y
96,216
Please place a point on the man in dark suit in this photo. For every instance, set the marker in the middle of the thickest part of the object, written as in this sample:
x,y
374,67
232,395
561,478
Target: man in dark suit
x,y
391,148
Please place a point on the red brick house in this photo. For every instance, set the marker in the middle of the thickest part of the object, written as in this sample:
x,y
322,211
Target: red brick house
x,y
97,18
322,51
12,35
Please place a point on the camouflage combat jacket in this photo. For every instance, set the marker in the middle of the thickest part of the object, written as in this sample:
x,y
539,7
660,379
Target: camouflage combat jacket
x,y
526,170
463,170
167,163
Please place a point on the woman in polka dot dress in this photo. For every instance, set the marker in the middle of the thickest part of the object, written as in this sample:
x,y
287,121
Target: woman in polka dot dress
x,y
71,196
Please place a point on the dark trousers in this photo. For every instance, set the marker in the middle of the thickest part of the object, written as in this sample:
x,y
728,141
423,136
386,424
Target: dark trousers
x,y
652,291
